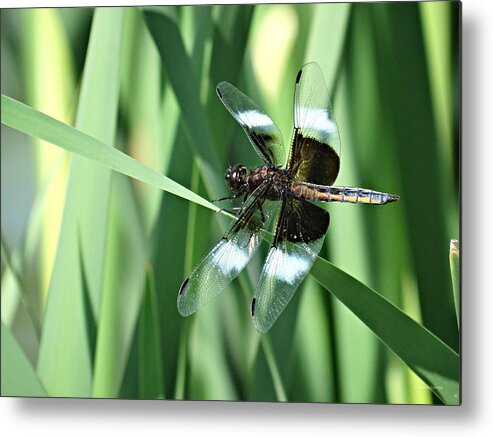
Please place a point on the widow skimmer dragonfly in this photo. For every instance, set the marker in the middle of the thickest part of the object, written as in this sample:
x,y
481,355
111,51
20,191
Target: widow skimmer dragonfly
x,y
311,168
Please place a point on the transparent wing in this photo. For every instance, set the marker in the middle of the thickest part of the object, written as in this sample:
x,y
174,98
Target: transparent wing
x,y
299,237
228,258
315,146
263,133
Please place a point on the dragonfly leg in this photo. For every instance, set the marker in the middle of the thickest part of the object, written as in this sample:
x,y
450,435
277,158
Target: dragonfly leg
x,y
233,211
233,197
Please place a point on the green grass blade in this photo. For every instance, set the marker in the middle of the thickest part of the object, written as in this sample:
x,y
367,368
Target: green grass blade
x,y
215,23
274,369
455,272
20,280
18,376
14,291
210,377
409,113
439,26
142,95
65,365
25,119
123,283
356,353
48,74
25,257
232,24
312,379
151,382
123,286
430,358
168,261
210,374
359,355
166,33
191,255
18,314
329,23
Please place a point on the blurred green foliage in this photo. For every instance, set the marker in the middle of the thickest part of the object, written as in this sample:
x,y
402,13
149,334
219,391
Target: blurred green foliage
x,y
89,290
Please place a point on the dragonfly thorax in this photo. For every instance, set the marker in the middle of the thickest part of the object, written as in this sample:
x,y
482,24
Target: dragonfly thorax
x,y
239,179
275,180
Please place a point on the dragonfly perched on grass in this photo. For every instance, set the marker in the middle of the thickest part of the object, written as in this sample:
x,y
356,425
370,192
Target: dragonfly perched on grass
x,y
310,169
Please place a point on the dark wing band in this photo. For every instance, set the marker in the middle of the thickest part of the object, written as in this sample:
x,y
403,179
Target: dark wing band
x,y
229,257
315,146
300,232
262,132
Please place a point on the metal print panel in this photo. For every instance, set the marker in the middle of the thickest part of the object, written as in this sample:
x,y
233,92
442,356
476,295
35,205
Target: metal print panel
x,y
232,202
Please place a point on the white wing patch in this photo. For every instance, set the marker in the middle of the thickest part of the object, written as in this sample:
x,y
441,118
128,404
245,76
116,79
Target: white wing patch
x,y
286,267
319,120
231,258
254,118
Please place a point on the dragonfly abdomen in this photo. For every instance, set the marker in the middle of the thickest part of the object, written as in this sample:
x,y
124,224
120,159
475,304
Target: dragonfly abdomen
x,y
322,193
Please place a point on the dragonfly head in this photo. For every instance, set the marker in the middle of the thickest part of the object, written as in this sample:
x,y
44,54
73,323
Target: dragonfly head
x,y
235,177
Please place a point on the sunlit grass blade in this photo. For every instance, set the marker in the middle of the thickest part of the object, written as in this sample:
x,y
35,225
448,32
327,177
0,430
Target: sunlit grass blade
x,y
330,22
124,276
49,83
358,241
18,376
398,33
25,119
142,95
65,366
164,29
431,359
279,33
455,272
20,281
123,284
439,21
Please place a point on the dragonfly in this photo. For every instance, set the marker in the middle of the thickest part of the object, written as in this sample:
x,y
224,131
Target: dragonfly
x,y
286,186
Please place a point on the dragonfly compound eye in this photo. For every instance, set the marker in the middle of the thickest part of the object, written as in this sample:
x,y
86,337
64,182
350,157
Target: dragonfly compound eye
x,y
234,176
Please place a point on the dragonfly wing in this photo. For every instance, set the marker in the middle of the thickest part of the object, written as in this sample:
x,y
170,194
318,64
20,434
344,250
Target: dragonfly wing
x,y
300,232
262,132
228,258
315,146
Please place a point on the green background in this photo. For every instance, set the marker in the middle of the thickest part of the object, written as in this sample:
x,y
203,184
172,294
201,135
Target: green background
x,y
92,260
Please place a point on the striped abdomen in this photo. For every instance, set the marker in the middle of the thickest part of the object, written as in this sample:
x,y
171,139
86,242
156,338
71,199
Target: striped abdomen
x,y
322,193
